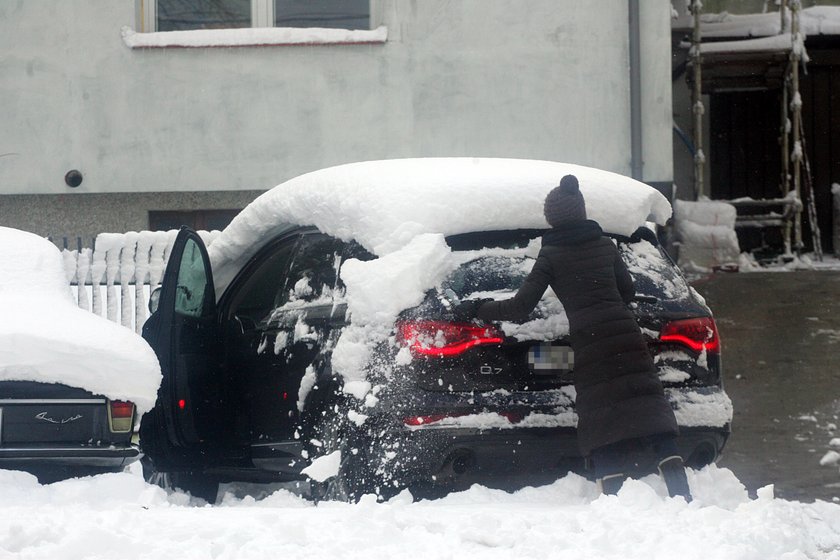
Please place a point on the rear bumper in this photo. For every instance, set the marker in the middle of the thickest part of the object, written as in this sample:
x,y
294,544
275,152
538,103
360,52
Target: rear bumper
x,y
543,445
466,456
111,457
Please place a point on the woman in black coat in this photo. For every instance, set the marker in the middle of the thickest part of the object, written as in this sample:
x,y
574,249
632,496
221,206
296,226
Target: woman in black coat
x,y
623,415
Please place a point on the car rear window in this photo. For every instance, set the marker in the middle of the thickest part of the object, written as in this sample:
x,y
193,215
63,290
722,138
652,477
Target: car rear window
x,y
496,263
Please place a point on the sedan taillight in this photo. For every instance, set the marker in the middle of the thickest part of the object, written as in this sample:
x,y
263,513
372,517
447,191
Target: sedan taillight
x,y
443,339
120,416
698,334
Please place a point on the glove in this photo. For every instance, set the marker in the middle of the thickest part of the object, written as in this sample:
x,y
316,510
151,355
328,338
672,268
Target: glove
x,y
467,310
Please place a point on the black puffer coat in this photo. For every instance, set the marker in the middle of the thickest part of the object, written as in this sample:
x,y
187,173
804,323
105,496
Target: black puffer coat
x,y
619,395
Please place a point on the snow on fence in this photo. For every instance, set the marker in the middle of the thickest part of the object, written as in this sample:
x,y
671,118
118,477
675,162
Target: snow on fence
x,y
115,277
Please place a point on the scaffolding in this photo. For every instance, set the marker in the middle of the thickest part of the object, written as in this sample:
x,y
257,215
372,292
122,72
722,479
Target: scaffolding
x,y
795,168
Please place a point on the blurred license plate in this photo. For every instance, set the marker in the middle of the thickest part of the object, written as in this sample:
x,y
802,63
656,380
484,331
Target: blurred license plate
x,y
546,358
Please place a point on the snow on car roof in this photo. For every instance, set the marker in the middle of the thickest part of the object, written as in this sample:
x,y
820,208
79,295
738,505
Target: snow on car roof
x,y
383,205
46,337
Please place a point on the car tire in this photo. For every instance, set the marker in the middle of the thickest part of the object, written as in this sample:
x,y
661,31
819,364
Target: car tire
x,y
198,485
356,475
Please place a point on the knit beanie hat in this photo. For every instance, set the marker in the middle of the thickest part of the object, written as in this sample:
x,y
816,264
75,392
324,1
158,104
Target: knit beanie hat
x,y
565,203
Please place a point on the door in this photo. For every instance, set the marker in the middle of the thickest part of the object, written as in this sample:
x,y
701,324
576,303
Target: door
x,y
277,317
191,408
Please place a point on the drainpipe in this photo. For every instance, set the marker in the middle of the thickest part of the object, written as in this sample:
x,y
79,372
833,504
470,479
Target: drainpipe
x,y
697,108
635,91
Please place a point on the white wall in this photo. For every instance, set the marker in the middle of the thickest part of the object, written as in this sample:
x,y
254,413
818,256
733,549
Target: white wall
x,y
538,79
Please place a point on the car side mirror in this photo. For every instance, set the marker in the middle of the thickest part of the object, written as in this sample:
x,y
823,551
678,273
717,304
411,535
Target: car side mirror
x,y
154,299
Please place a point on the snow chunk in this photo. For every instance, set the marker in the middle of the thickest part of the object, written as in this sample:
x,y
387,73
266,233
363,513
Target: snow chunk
x,y
830,458
324,467
766,492
307,382
378,290
356,417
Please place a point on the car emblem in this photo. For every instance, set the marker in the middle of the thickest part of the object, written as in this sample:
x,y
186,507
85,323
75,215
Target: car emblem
x,y
43,416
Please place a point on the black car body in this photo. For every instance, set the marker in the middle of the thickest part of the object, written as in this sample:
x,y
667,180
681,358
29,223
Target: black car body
x,y
249,392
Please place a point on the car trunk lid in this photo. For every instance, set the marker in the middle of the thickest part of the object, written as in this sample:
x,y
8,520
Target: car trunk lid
x,y
37,413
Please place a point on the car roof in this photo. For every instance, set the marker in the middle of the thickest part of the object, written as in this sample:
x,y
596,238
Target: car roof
x,y
385,204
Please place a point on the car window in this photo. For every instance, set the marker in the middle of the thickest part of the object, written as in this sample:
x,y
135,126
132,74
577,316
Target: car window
x,y
313,273
192,282
255,297
485,275
502,263
653,273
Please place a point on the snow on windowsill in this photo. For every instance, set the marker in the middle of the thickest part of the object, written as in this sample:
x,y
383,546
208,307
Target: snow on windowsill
x,y
254,37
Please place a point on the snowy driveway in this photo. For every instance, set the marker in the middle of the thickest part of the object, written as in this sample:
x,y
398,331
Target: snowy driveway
x,y
780,367
120,516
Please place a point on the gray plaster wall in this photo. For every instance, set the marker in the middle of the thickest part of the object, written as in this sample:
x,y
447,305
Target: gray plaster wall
x,y
542,79
83,216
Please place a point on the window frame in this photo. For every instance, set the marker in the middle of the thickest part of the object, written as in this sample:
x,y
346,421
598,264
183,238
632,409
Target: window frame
x,y
262,14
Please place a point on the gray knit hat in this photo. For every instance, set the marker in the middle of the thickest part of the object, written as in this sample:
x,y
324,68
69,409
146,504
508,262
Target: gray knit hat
x,y
565,203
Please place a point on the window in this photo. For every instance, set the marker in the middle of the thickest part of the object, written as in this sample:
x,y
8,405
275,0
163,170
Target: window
x,y
339,14
177,15
313,275
258,293
192,282
182,15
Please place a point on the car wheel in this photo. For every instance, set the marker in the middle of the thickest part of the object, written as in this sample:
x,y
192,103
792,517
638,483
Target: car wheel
x,y
153,476
197,484
356,475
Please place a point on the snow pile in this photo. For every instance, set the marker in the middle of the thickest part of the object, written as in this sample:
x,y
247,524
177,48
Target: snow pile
x,y
119,516
378,290
45,337
253,36
706,234
384,205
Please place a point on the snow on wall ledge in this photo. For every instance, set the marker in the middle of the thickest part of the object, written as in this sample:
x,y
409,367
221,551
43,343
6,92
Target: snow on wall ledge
x,y
254,37
385,204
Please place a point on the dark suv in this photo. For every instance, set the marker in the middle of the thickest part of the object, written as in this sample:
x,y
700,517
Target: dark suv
x,y
249,392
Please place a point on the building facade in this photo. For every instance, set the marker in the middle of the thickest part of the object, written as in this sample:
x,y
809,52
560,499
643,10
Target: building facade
x,y
111,124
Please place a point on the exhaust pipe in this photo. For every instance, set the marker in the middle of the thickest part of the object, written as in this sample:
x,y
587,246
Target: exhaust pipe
x,y
456,464
704,454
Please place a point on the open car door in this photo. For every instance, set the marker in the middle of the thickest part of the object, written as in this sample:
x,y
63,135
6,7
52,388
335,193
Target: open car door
x,y
190,410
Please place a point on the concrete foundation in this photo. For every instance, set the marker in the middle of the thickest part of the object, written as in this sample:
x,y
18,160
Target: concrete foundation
x,y
91,214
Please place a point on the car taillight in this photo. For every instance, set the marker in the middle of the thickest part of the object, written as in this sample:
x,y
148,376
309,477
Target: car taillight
x,y
429,419
444,339
698,334
121,416
419,421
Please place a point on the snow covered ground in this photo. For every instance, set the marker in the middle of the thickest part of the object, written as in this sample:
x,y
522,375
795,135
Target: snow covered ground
x,y
120,516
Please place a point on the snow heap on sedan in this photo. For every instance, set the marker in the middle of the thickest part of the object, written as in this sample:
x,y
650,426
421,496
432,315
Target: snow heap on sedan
x,y
401,210
46,337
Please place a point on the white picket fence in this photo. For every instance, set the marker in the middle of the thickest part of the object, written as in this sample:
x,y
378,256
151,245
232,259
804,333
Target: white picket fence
x,y
115,277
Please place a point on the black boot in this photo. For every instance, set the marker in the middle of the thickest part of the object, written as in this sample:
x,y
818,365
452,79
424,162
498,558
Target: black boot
x,y
673,472
611,483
